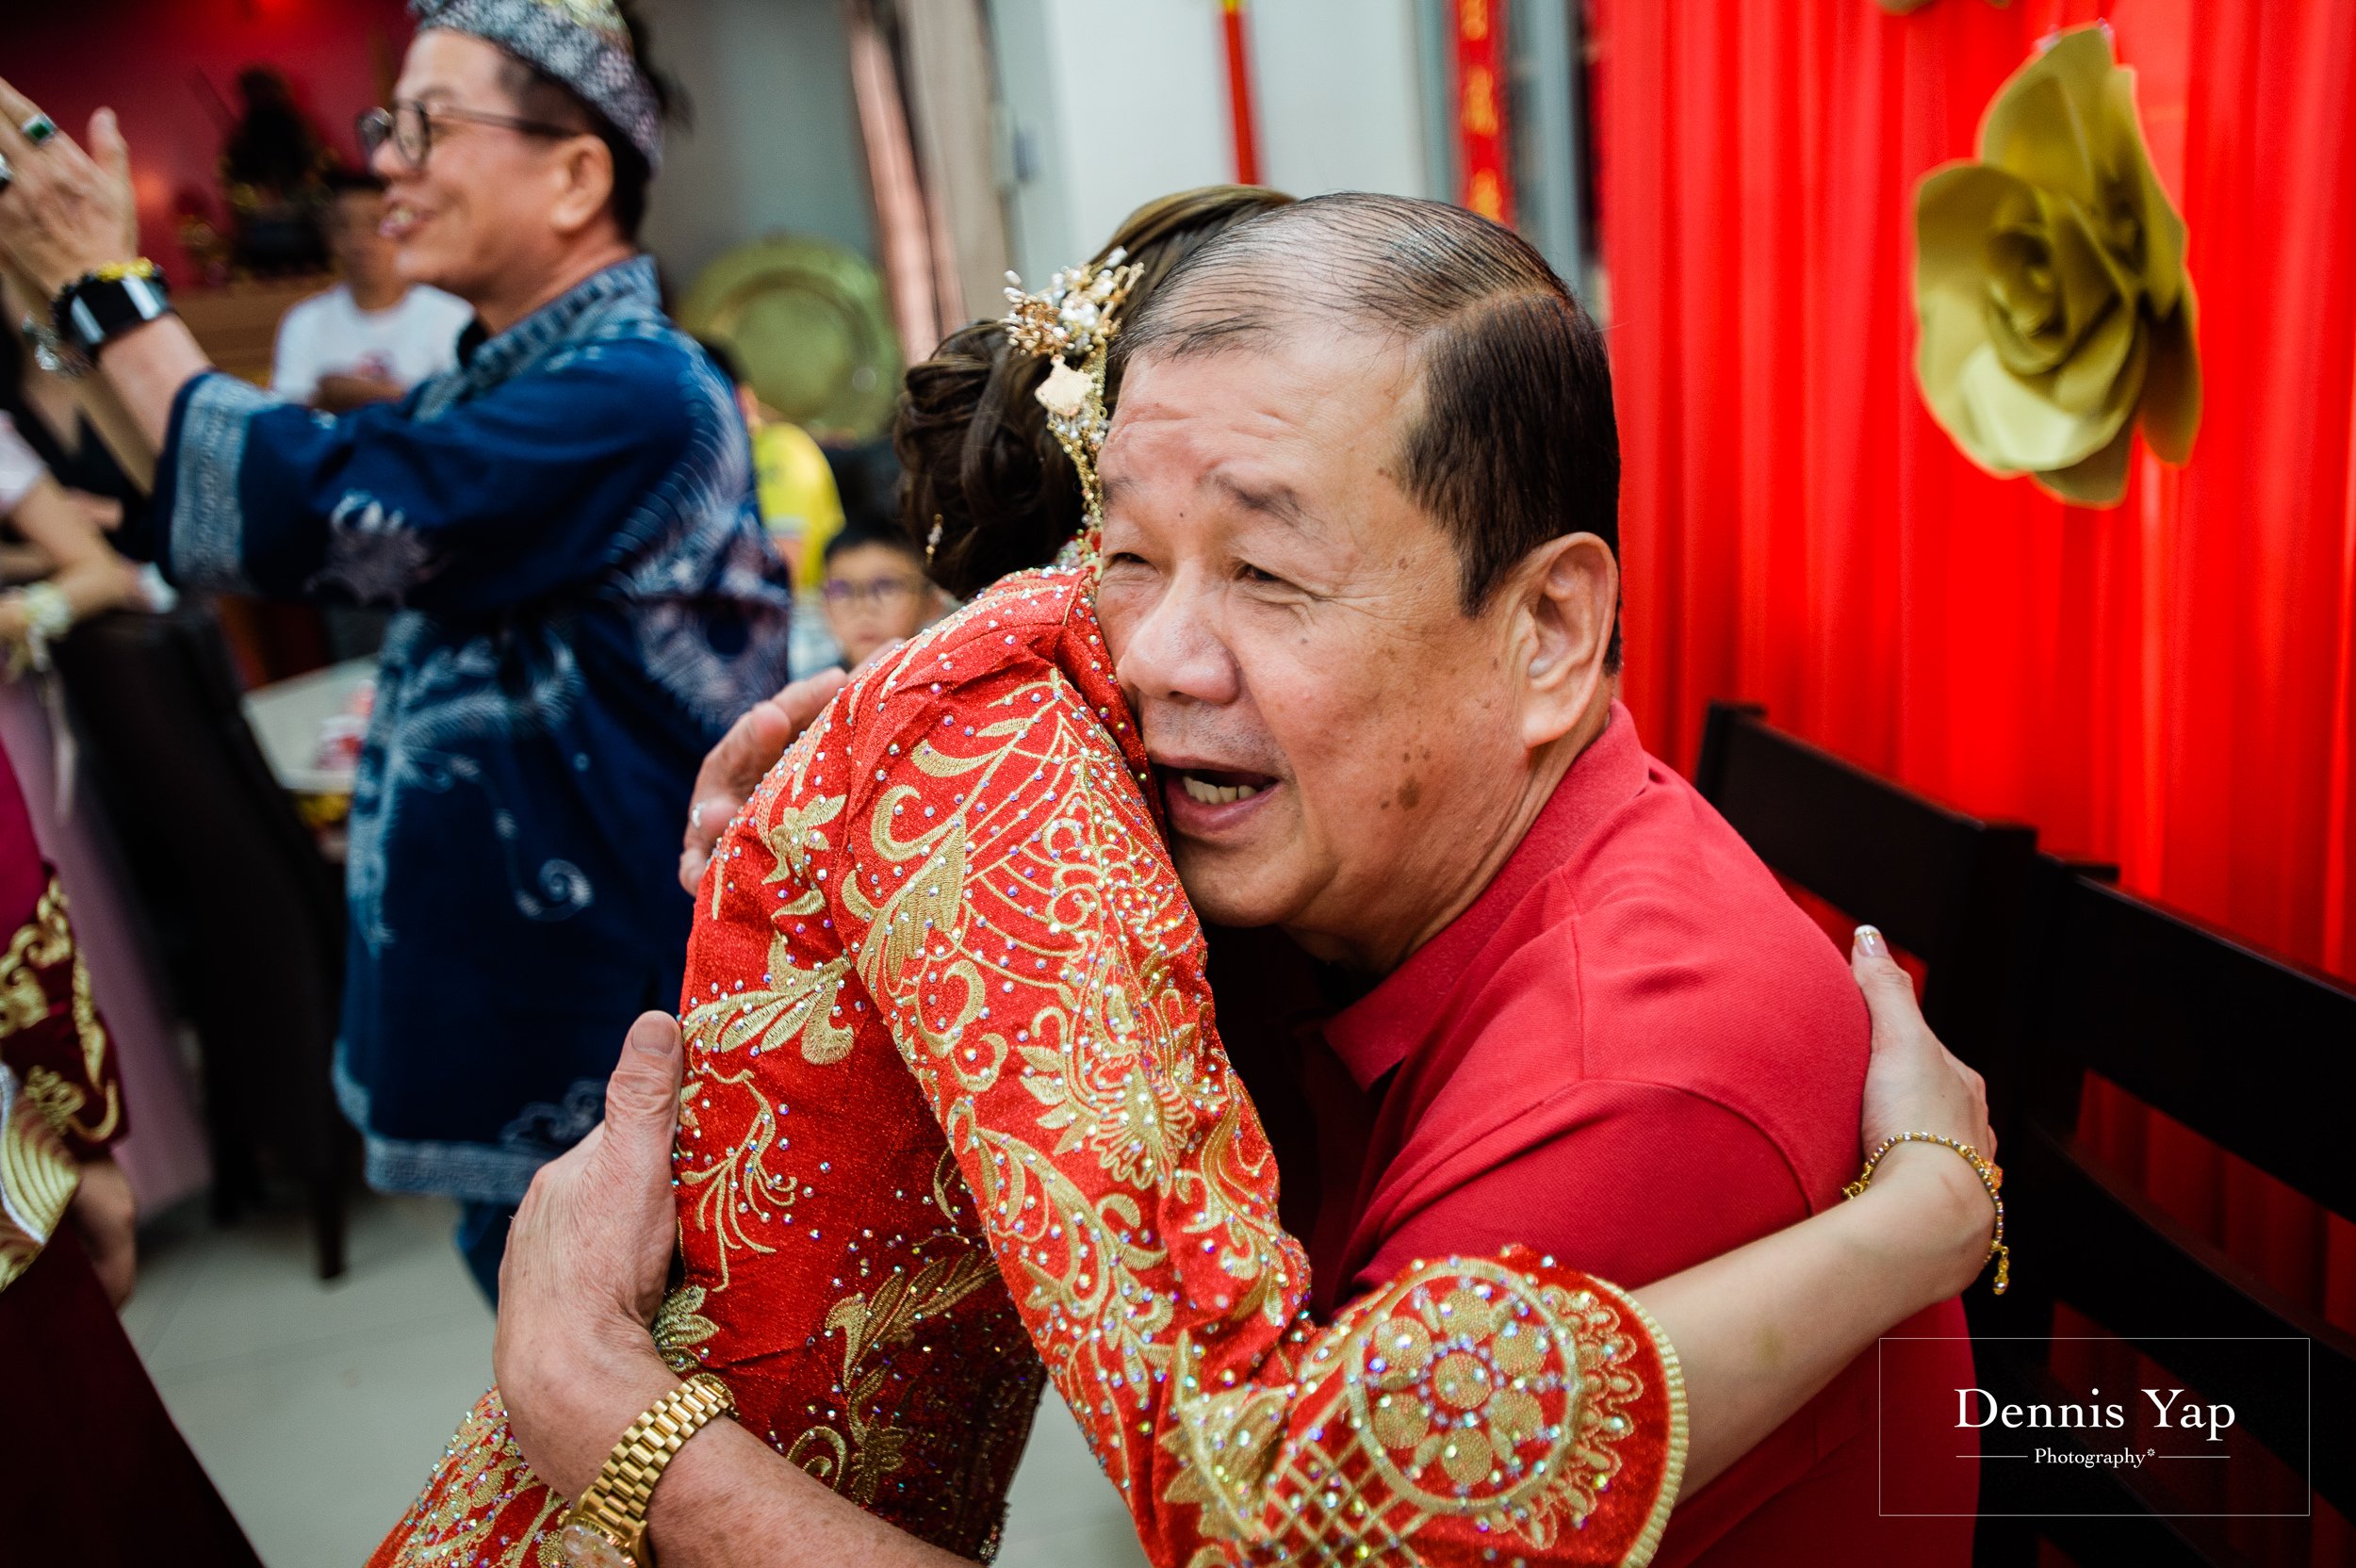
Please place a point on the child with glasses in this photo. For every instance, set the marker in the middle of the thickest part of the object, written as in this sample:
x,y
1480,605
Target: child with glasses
x,y
877,593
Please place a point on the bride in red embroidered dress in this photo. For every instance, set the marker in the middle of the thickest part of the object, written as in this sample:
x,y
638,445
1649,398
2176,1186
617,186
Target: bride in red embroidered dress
x,y
956,1105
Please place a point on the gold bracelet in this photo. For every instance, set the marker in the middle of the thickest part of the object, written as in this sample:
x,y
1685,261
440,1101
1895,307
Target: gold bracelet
x,y
1991,1177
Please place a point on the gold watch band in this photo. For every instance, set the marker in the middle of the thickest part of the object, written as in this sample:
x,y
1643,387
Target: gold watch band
x,y
614,1505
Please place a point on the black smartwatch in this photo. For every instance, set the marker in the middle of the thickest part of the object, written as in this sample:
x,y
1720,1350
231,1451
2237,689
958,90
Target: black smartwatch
x,y
100,306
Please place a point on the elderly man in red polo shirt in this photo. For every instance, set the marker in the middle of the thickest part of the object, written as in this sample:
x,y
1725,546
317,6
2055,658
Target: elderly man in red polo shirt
x,y
1367,615
1361,586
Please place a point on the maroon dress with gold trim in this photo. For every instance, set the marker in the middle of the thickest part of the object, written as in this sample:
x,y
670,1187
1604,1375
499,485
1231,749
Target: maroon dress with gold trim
x,y
98,1474
956,1105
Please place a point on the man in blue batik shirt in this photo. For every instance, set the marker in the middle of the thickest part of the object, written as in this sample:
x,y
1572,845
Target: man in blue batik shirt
x,y
567,523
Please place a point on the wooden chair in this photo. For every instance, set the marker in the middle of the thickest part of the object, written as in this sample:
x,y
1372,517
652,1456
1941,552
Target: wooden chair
x,y
250,913
1943,886
2039,973
2252,1053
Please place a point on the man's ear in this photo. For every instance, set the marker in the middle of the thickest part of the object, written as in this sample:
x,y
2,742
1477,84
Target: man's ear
x,y
1570,593
585,179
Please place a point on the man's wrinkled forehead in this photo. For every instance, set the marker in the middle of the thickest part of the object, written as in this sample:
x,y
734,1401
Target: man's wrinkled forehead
x,y
1274,500
1287,394
1249,304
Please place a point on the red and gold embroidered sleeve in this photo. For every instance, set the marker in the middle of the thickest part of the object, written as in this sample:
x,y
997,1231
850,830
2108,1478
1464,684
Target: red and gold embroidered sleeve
x,y
1006,897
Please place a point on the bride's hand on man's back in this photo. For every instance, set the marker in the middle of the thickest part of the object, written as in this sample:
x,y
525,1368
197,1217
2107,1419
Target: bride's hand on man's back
x,y
1914,1083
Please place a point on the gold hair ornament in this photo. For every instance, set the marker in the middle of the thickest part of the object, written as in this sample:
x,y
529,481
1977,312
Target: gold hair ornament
x,y
1071,323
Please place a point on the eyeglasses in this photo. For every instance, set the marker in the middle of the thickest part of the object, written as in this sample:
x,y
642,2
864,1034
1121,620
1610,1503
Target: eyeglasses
x,y
884,593
410,128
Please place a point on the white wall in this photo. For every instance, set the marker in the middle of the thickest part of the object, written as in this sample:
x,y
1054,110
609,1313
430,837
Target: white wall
x,y
777,145
1339,93
1111,103
1106,104
1032,166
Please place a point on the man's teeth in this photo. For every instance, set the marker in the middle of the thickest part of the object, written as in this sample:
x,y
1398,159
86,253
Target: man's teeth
x,y
1216,794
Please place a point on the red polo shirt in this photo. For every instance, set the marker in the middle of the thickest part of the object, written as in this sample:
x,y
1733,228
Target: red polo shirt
x,y
1635,1052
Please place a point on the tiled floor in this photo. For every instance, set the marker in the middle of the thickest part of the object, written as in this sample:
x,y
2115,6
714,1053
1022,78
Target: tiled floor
x,y
318,1409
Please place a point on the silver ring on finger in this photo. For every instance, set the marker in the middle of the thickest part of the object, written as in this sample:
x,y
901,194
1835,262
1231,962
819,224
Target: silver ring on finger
x,y
40,130
7,175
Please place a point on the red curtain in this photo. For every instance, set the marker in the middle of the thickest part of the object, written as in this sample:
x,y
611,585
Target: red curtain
x,y
2169,685
169,68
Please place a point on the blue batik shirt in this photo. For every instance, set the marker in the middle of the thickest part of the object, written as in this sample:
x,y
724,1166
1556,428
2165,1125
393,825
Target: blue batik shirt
x,y
568,526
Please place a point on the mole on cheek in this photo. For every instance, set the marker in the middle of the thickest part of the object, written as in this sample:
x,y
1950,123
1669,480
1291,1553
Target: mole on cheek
x,y
1409,793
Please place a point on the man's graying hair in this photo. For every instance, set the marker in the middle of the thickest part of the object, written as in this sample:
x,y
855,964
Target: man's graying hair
x,y
1515,443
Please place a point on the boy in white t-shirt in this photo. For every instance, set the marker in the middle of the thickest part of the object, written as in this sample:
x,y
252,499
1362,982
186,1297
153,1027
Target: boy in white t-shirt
x,y
372,338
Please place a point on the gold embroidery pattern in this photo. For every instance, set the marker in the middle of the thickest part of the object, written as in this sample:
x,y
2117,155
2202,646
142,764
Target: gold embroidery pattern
x,y
482,1508
680,1326
37,1179
859,1461
1043,837
976,888
44,942
1468,1390
94,1041
933,1368
38,947
1032,948
43,1127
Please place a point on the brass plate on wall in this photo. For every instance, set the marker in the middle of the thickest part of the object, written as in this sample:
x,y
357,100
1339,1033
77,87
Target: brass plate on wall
x,y
807,320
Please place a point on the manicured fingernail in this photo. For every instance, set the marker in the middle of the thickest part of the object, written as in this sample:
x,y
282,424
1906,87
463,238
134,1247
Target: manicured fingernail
x,y
1868,941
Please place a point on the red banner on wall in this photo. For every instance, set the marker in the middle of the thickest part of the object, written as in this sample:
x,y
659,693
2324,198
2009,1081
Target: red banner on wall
x,y
1240,95
1487,185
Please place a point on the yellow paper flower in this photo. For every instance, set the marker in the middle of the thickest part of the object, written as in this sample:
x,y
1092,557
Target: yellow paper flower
x,y
2050,276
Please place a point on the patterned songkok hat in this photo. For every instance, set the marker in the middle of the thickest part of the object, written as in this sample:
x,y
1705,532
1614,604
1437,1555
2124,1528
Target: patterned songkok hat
x,y
581,44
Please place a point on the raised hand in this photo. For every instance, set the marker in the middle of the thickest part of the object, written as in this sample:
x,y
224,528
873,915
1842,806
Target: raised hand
x,y
65,211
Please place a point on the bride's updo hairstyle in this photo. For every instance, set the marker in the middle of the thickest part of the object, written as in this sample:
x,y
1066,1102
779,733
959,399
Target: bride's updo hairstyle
x,y
970,430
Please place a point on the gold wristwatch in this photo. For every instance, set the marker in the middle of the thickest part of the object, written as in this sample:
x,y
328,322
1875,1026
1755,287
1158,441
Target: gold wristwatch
x,y
607,1528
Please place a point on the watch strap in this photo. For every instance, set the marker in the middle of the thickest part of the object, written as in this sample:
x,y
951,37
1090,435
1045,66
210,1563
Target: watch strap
x,y
100,306
616,1503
